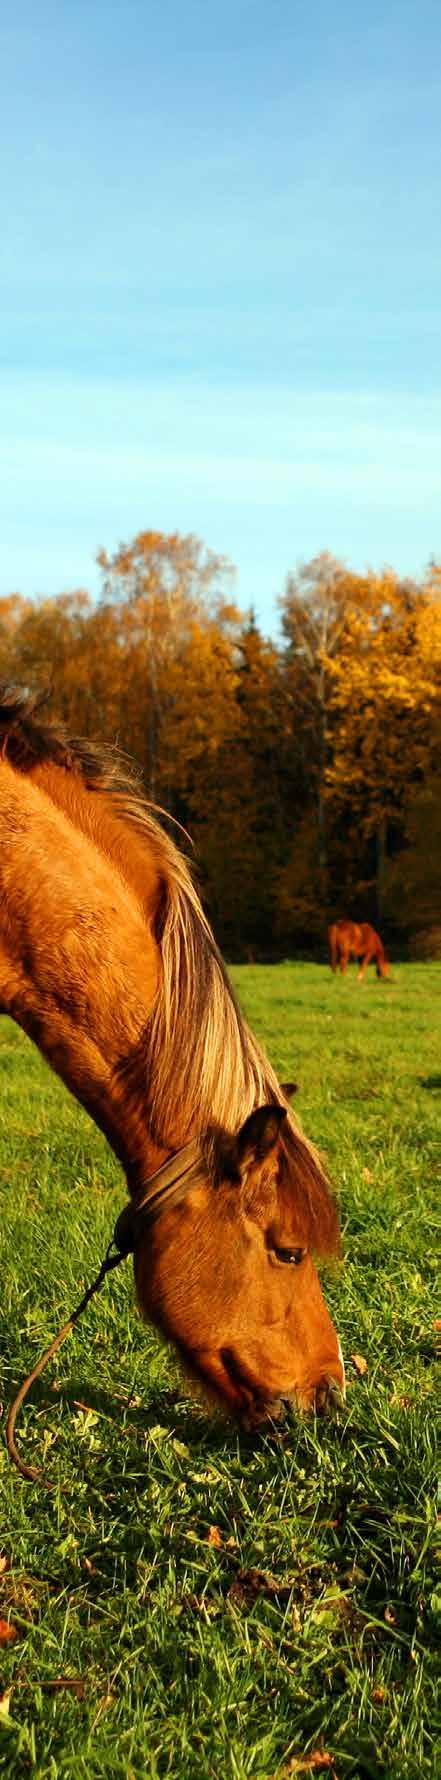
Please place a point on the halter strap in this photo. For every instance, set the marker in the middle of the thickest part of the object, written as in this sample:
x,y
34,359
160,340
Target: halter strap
x,y
170,1183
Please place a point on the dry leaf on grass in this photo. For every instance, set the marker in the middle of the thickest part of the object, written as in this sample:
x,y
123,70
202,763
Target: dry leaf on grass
x,y
307,1764
214,1537
360,1364
7,1632
5,1563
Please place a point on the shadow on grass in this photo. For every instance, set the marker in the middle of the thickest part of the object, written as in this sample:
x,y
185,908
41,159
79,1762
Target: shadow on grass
x,y
206,1433
433,1082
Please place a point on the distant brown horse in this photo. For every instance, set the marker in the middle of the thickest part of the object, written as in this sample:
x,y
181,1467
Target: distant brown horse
x,y
108,962
353,939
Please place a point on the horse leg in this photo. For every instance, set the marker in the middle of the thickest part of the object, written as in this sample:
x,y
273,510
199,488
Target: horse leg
x,y
364,961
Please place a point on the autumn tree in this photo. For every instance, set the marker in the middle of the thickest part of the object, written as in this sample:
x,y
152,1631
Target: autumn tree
x,y
315,611
361,677
413,880
162,584
254,788
222,749
385,683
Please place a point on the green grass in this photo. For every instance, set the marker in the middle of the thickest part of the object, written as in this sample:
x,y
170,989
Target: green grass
x,y
311,1625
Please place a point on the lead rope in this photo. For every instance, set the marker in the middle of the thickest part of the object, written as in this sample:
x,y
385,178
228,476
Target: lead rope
x,y
110,1261
170,1183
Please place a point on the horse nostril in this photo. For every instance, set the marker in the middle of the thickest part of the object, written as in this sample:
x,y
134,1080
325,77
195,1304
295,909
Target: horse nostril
x,y
329,1395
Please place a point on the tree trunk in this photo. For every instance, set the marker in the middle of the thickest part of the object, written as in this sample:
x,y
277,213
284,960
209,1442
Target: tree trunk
x,y
381,862
321,823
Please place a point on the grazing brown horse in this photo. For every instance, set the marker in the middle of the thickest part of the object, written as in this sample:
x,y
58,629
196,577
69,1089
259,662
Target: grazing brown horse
x,y
108,963
353,939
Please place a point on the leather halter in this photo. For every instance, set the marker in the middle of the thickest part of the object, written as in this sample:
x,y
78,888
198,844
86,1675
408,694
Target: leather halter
x,y
170,1183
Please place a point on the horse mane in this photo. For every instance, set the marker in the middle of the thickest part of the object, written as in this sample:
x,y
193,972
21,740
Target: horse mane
x,y
202,1066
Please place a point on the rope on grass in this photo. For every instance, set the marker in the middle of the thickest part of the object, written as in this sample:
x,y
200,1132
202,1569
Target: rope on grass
x,y
110,1261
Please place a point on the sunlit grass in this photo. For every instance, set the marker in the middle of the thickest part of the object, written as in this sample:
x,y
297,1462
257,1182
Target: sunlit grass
x,y
308,1623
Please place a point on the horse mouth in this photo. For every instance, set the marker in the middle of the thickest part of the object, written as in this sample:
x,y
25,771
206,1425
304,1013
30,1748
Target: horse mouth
x,y
226,1380
327,1398
324,1400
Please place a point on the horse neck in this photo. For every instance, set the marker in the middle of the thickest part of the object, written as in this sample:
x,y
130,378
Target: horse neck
x,y
79,964
97,817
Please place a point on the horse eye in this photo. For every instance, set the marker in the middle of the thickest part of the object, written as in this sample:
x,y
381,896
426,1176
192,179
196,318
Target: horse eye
x,y
292,1256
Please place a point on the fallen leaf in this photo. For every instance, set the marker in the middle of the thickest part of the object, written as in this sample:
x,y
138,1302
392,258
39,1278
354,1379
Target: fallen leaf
x,y
4,1703
5,1563
214,1537
390,1616
437,1323
305,1764
360,1364
378,1694
7,1632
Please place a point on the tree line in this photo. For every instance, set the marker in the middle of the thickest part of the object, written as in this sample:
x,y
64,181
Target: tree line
x,y
307,770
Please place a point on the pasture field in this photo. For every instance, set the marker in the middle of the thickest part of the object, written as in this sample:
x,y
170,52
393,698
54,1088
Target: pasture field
x,y
188,1601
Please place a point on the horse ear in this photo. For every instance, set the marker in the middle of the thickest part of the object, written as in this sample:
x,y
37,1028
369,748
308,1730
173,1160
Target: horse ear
x,y
259,1135
289,1089
256,1138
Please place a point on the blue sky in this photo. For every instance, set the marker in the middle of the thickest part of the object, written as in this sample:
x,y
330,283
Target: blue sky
x,y
221,282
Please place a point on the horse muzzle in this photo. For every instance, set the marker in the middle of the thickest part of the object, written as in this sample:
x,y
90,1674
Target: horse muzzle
x,y
323,1399
329,1393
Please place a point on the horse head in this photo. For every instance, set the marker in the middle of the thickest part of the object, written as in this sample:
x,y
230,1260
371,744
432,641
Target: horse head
x,y
227,1273
383,967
